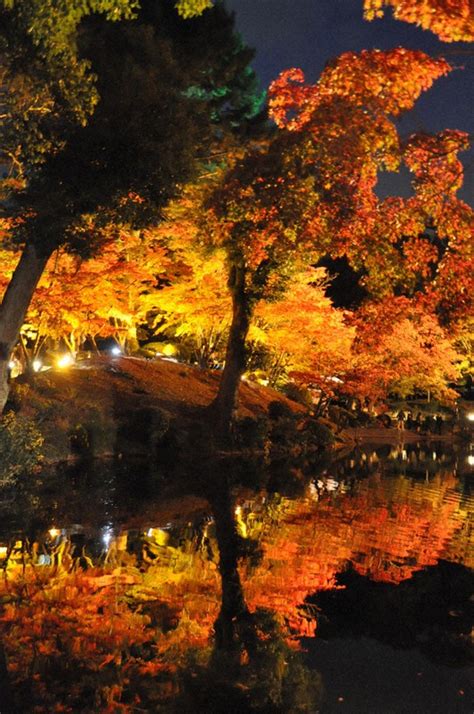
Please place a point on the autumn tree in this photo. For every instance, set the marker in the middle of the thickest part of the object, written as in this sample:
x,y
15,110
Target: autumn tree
x,y
452,21
309,192
72,156
306,337
80,299
400,349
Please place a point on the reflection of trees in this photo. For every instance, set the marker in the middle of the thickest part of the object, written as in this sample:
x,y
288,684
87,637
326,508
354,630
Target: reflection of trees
x,y
134,628
388,528
431,611
200,611
252,667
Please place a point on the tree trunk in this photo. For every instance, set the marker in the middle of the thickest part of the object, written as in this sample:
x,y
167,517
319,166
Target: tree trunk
x,y
13,309
233,625
7,705
235,359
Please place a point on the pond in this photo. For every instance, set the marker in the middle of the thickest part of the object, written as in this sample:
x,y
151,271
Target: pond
x,y
231,585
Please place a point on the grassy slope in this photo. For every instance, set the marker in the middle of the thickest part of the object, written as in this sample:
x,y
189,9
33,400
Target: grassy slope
x,y
109,392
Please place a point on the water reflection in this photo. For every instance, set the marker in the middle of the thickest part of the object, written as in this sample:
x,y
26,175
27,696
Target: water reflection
x,y
198,602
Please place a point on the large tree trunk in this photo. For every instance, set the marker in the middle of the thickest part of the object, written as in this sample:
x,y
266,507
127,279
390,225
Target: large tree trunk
x,y
233,625
7,705
14,306
235,359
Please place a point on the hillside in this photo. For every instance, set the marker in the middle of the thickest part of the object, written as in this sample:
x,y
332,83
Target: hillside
x,y
118,404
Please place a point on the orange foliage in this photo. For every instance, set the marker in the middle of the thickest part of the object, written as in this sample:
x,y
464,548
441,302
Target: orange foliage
x,y
387,528
400,348
451,20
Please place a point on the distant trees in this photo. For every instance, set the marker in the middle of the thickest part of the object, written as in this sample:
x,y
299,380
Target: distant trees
x,y
400,349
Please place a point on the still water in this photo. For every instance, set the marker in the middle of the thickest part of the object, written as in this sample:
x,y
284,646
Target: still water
x,y
344,586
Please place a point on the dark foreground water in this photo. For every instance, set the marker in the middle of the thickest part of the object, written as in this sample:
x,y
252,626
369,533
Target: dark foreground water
x,y
233,586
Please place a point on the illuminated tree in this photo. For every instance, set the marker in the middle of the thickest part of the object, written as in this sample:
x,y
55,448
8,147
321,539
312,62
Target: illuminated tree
x,y
118,159
311,192
451,20
400,349
307,338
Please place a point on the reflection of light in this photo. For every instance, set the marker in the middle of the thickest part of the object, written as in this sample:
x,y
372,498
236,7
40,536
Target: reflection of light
x,y
54,532
3,551
65,360
11,364
404,455
159,535
470,416
107,536
44,559
331,484
238,511
37,364
116,351
169,350
434,455
470,459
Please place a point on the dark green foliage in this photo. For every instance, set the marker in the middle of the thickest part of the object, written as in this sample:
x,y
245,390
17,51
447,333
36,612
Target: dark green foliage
x,y
277,410
250,433
217,63
315,434
20,447
152,94
46,89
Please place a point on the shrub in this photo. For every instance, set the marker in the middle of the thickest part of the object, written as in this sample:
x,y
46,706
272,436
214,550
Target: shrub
x,y
341,417
80,441
284,432
145,426
277,409
20,447
250,433
298,394
317,434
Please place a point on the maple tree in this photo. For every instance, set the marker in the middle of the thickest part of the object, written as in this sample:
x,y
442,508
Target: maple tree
x,y
400,349
310,192
307,338
298,329
451,20
80,299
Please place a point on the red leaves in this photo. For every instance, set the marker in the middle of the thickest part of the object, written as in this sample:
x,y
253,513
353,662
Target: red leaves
x,y
451,20
386,82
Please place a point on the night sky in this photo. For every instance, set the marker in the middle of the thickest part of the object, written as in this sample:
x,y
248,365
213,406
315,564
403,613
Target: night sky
x,y
307,33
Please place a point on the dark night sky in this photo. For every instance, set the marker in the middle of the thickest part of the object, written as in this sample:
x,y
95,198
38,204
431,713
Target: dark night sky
x,y
307,33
